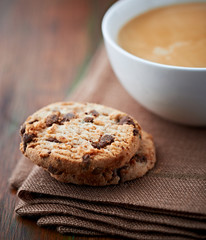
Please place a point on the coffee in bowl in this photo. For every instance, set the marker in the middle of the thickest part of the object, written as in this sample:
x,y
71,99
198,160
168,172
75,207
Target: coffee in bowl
x,y
171,35
174,90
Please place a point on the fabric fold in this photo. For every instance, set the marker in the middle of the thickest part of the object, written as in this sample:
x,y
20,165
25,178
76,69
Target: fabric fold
x,y
65,215
152,193
48,206
106,228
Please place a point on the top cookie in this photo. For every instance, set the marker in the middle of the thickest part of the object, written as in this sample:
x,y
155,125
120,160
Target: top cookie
x,y
79,138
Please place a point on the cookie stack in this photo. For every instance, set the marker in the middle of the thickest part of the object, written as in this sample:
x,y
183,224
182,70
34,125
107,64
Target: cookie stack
x,y
87,144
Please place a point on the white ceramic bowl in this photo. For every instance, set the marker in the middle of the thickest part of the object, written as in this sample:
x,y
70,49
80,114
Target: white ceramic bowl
x,y
175,93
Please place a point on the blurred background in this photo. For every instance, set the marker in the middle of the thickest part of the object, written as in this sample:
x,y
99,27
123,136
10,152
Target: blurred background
x,y
45,48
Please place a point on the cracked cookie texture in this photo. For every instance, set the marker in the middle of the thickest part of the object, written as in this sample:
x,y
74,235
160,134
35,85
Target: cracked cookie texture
x,y
83,143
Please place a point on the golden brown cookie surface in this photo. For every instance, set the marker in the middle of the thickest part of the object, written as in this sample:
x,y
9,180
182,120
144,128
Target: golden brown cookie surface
x,y
76,142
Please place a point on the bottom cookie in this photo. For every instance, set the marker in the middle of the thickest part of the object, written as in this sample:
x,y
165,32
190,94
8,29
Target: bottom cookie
x,y
141,162
138,166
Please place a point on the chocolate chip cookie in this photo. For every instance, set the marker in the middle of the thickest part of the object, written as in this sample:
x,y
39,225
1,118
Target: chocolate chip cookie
x,y
141,162
77,142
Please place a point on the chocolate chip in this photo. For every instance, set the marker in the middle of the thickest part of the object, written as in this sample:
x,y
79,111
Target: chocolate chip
x,y
27,138
68,116
143,159
103,142
126,167
94,113
97,170
122,171
139,158
86,160
118,172
89,119
95,145
52,139
54,170
114,174
135,132
106,140
52,119
126,120
22,129
33,121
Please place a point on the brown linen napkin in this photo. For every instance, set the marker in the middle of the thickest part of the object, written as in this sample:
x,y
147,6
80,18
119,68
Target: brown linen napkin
x,y
78,231
148,192
39,184
21,172
67,215
110,223
174,189
136,230
139,236
62,206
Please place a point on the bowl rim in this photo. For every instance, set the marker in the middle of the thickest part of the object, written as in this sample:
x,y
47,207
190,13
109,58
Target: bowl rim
x,y
108,38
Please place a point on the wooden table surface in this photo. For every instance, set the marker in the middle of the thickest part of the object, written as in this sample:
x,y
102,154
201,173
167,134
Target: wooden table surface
x,y
45,47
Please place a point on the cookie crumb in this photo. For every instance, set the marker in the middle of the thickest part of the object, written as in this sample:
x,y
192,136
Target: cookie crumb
x,y
44,154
